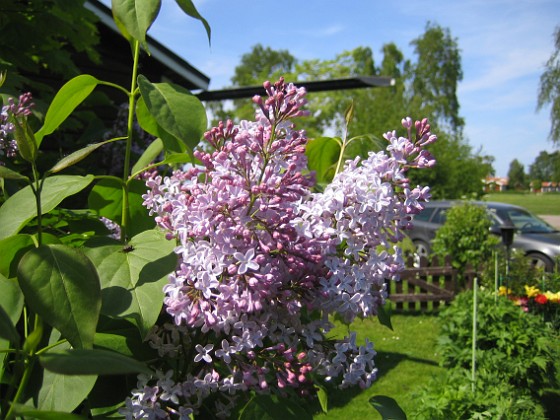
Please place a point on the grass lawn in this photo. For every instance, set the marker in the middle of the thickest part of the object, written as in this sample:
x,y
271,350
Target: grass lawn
x,y
547,204
406,360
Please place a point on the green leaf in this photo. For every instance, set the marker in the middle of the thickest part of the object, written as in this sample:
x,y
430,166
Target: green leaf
x,y
150,154
387,407
384,316
77,156
61,284
349,113
132,281
189,9
90,362
106,198
7,329
64,392
323,398
20,208
266,407
176,110
26,142
149,124
322,154
72,94
11,298
30,412
7,173
11,251
136,16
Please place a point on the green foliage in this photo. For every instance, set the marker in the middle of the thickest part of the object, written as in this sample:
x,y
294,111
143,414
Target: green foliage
x,y
549,88
62,286
436,75
465,236
516,175
514,362
546,167
49,32
75,304
425,85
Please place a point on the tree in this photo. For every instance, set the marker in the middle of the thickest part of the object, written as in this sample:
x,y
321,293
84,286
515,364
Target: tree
x,y
546,167
260,64
425,87
549,88
516,175
257,66
49,32
435,76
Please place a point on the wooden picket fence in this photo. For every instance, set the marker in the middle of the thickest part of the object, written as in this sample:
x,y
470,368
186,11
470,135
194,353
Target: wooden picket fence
x,y
428,285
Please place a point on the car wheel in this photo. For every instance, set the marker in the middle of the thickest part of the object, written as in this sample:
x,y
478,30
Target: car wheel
x,y
540,261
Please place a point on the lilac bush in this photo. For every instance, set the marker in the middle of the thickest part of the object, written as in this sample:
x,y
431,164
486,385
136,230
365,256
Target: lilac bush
x,y
265,261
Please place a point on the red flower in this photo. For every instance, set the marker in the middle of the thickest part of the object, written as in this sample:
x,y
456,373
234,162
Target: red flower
x,y
541,299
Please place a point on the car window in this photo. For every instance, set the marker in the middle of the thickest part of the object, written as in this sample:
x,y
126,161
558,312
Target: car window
x,y
440,216
425,214
525,222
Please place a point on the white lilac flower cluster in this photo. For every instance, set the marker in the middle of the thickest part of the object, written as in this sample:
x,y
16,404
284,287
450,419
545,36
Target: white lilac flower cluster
x,y
10,112
264,261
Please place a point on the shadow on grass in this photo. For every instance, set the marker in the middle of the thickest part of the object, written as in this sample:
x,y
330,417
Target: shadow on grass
x,y
385,362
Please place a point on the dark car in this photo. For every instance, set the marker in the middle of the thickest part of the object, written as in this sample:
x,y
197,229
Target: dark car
x,y
535,237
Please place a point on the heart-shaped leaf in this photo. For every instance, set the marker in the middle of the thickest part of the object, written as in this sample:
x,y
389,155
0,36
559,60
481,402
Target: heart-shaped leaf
x,y
322,155
106,198
61,284
132,279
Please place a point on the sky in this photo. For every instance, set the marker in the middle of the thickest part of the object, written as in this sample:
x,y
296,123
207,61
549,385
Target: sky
x,y
504,46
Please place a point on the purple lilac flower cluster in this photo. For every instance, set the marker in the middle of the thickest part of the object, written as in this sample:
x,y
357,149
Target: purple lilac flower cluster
x,y
264,261
11,111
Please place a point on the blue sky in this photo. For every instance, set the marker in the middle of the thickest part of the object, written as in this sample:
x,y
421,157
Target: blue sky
x,y
504,45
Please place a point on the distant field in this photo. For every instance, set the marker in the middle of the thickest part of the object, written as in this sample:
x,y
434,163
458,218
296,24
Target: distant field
x,y
547,204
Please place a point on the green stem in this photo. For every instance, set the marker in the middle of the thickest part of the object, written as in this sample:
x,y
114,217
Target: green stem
x,y
130,126
22,385
36,187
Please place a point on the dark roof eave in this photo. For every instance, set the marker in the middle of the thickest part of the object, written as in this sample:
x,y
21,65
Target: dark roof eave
x,y
310,86
158,51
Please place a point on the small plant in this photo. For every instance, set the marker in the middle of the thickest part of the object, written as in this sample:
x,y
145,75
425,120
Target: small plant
x,y
515,357
465,236
543,303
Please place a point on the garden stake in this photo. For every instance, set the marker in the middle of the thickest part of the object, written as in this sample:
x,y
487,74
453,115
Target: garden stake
x,y
496,276
473,374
